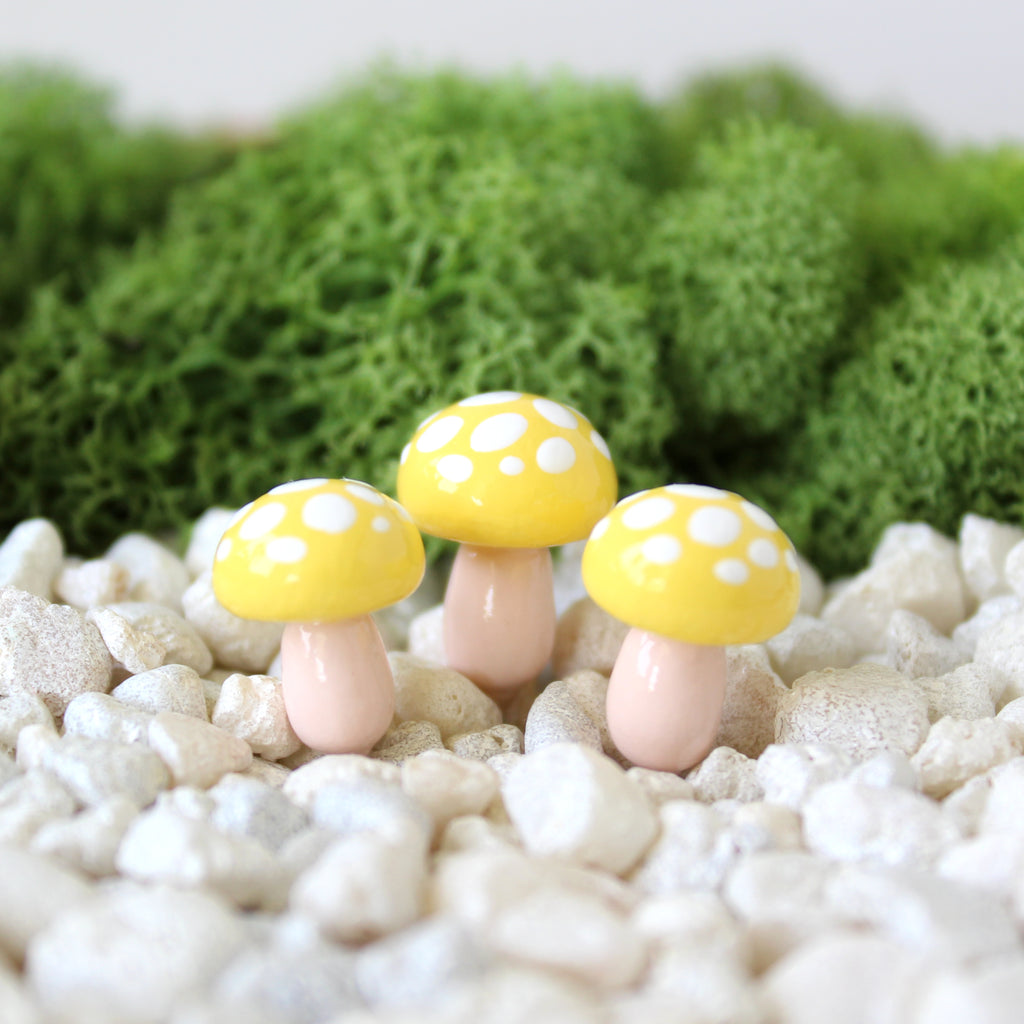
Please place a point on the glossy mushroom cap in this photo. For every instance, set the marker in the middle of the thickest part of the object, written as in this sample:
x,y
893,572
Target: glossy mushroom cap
x,y
695,564
317,551
509,470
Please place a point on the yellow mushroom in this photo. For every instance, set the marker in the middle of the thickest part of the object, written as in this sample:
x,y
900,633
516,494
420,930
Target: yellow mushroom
x,y
321,555
507,475
692,569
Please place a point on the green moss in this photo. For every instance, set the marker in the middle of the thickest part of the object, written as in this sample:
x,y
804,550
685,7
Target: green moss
x,y
73,183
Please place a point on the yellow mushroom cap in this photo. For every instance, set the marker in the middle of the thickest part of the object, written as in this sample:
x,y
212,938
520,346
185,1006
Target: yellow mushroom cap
x,y
695,564
506,469
317,551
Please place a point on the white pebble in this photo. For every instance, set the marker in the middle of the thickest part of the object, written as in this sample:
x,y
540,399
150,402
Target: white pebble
x,y
426,636
17,711
407,739
168,688
88,841
861,710
249,807
988,613
49,650
513,994
789,772
252,708
103,718
16,1004
571,802
916,648
808,644
958,749
479,746
661,787
91,584
196,753
812,590
989,994
206,534
133,650
432,693
966,692
243,644
1004,796
28,802
181,643
992,861
752,695
586,637
556,717
447,787
691,852
371,806
725,775
984,547
31,556
304,783
885,769
155,574
1001,650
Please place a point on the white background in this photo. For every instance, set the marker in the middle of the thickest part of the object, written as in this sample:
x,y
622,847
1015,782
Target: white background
x,y
957,66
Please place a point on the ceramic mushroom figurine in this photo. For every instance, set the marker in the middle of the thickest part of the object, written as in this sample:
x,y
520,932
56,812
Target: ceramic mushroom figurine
x,y
692,569
321,555
507,475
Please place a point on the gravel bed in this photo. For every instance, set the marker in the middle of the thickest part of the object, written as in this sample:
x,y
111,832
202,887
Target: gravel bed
x,y
852,850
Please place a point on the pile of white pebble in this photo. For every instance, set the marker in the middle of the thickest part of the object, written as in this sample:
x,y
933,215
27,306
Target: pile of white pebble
x,y
851,851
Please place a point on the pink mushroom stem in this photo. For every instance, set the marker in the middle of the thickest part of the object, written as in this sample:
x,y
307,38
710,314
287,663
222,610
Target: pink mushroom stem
x,y
499,617
338,688
665,700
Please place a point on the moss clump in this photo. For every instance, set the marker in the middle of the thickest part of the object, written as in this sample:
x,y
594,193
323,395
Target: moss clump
x,y
750,273
73,183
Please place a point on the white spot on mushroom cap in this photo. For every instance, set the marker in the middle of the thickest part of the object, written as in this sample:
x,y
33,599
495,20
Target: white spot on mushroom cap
x,y
642,515
714,525
511,465
555,413
556,455
497,432
298,485
732,570
224,549
456,469
790,560
439,433
662,549
762,552
759,516
697,491
329,513
262,521
600,444
287,550
381,524
366,493
491,398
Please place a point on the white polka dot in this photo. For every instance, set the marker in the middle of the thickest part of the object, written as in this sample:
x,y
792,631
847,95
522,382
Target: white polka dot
x,y
662,549
696,491
556,455
759,516
455,468
790,559
555,413
262,521
764,553
329,513
497,432
223,549
732,570
286,550
650,512
381,524
358,490
491,398
600,444
439,433
298,485
511,465
600,529
714,525
405,454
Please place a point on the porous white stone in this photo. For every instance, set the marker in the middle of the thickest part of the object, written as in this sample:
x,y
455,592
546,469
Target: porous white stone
x,y
34,890
989,994
916,648
709,987
133,952
305,782
8,769
31,556
49,650
1011,713
475,832
17,1006
808,644
155,574
17,711
88,841
984,547
512,994
556,717
1013,566
725,774
252,708
407,739
371,806
102,717
268,772
1003,790
991,861
479,746
914,567
243,644
958,749
966,692
447,787
196,752
252,808
432,693
691,852
884,769
752,695
850,821
586,637
168,688
133,650
691,921
759,825
812,590
861,710
28,802
965,806
426,636
364,886
1000,650
776,885
163,845
182,644
206,534
987,614
789,772
90,584
571,802
660,787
